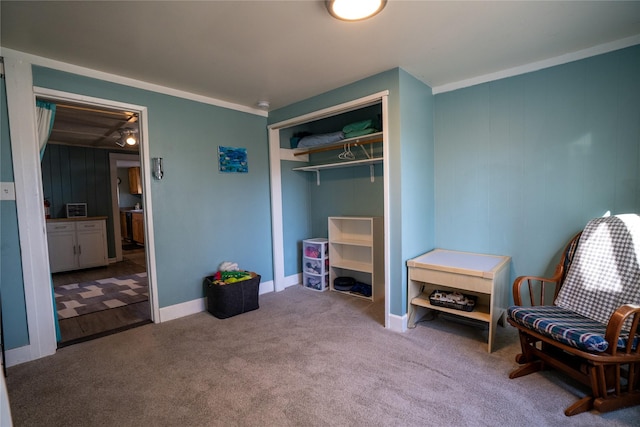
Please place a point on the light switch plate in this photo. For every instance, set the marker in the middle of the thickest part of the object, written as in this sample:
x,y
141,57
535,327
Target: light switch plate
x,y
7,191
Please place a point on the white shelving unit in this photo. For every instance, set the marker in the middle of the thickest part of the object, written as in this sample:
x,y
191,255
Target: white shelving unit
x,y
315,264
356,249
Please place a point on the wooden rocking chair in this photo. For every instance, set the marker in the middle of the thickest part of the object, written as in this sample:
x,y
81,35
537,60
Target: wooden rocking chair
x,y
591,331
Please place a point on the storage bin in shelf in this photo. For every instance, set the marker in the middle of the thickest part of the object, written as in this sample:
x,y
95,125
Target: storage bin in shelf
x,y
315,248
314,265
316,282
480,312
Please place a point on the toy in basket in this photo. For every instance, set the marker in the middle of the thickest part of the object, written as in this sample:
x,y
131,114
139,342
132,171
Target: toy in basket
x,y
231,291
454,300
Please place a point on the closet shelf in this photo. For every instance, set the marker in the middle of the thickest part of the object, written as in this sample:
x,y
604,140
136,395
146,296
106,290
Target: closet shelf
x,y
346,164
358,140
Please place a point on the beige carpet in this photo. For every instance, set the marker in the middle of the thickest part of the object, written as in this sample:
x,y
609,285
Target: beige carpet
x,y
302,359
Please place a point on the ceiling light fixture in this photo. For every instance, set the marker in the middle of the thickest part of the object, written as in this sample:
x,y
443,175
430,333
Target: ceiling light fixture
x,y
354,10
127,136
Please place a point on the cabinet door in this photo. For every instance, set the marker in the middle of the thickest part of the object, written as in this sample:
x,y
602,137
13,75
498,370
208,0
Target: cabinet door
x,y
135,183
61,240
137,224
91,244
123,225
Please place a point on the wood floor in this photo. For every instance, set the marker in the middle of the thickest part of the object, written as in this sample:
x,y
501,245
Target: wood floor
x,y
95,325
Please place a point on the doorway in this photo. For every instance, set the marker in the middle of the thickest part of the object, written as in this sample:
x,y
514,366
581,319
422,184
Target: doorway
x,y
77,167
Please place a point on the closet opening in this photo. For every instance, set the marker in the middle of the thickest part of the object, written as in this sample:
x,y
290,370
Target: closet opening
x,y
329,191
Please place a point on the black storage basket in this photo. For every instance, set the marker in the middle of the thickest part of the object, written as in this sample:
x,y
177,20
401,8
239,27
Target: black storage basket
x,y
233,298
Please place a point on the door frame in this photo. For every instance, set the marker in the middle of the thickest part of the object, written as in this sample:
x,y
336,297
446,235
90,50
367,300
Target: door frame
x,y
116,161
21,98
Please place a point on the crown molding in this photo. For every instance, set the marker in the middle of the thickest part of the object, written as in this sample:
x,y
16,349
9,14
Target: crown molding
x,y
126,81
539,65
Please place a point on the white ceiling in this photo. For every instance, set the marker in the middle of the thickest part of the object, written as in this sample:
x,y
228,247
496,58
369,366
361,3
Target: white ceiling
x,y
286,51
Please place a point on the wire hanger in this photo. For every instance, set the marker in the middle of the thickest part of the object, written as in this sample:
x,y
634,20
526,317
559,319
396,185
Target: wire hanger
x,y
346,153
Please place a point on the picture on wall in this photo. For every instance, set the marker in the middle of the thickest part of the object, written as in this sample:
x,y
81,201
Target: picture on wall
x,y
232,160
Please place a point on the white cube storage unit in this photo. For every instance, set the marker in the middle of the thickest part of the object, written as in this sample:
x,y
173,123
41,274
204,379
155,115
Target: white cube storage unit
x,y
356,250
315,264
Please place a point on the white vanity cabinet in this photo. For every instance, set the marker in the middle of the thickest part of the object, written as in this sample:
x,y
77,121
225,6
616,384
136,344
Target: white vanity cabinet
x,y
76,244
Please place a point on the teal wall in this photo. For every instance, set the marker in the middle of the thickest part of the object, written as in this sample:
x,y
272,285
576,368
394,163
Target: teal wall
x,y
523,163
296,214
201,217
417,174
350,192
346,191
14,311
511,167
80,175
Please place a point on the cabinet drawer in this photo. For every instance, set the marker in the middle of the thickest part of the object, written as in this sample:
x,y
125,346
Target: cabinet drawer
x,y
454,280
89,225
60,226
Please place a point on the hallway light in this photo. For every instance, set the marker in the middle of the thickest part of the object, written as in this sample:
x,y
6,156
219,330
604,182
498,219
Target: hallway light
x,y
127,136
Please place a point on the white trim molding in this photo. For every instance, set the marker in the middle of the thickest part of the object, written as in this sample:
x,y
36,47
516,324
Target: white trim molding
x,y
36,274
539,65
397,323
18,355
145,163
183,309
199,305
127,81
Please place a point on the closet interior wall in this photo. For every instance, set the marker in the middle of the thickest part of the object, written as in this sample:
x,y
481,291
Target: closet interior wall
x,y
347,191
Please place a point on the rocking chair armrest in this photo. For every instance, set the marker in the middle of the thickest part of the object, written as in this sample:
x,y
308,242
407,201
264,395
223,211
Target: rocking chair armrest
x,y
616,322
528,281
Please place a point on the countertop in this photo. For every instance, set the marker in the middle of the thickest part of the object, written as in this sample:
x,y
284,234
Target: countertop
x,y
84,218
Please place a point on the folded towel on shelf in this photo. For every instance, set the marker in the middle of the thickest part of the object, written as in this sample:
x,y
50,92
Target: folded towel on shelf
x,y
325,138
361,132
358,126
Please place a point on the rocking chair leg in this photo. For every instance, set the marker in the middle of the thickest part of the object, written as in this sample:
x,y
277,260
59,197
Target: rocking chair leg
x,y
583,405
521,359
527,369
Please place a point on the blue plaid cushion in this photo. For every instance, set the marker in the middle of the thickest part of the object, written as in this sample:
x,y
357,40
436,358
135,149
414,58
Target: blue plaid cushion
x,y
565,326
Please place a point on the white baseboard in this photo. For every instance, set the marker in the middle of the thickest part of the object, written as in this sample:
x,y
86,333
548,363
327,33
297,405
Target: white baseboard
x,y
183,309
292,280
16,356
397,323
266,287
199,305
